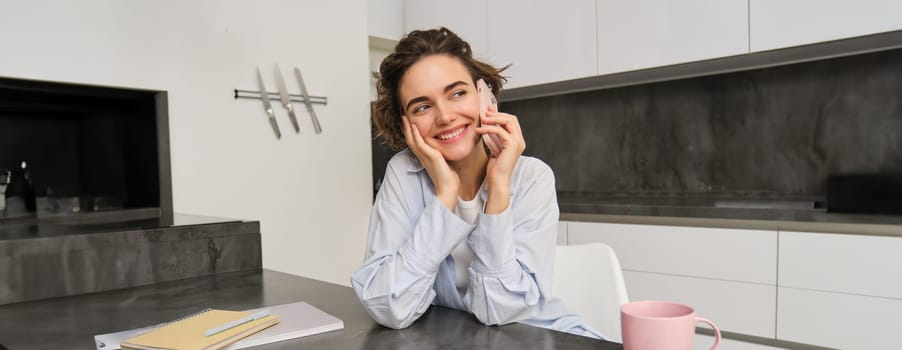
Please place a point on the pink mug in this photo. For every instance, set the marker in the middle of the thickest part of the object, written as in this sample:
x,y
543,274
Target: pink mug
x,y
660,325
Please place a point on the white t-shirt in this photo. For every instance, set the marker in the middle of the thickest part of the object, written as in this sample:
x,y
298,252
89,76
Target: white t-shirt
x,y
467,211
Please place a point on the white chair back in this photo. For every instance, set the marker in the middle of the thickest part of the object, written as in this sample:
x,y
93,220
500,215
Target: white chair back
x,y
588,279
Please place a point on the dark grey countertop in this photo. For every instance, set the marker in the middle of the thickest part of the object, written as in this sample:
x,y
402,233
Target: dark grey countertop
x,y
748,213
26,228
71,322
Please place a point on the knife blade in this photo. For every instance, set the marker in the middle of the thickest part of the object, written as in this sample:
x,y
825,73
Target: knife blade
x,y
286,101
264,96
307,103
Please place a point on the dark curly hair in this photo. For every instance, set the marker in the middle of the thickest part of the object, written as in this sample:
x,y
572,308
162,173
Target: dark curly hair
x,y
413,47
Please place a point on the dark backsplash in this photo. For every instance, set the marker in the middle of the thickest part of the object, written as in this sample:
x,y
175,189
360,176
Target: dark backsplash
x,y
775,133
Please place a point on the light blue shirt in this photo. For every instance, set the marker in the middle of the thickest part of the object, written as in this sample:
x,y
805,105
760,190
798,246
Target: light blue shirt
x,y
408,263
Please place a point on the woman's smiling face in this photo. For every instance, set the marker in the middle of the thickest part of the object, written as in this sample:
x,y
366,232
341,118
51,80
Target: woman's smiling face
x,y
438,97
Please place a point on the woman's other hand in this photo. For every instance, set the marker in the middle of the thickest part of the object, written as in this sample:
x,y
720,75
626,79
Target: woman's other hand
x,y
445,180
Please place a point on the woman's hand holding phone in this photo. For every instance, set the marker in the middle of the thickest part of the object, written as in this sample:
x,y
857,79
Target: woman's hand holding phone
x,y
499,169
506,128
502,134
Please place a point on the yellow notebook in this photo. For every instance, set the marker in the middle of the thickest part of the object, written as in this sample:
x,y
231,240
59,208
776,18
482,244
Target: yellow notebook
x,y
188,333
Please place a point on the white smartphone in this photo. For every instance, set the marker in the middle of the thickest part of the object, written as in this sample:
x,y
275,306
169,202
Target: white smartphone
x,y
487,100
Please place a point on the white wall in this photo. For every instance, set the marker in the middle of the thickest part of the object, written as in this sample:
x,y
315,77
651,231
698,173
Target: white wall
x,y
386,18
310,192
385,23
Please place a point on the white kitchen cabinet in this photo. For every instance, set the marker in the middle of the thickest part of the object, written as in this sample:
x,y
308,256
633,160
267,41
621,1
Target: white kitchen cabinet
x,y
649,33
726,254
853,264
747,308
704,342
777,23
728,275
467,18
840,290
562,233
544,41
825,289
838,320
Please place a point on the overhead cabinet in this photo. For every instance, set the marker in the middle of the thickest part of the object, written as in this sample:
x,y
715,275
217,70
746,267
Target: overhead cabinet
x,y
650,33
778,24
466,18
552,41
543,41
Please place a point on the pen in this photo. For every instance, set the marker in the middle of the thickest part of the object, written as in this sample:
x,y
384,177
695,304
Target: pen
x,y
260,314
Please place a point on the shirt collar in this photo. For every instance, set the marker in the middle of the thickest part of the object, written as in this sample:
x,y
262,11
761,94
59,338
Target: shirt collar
x,y
414,166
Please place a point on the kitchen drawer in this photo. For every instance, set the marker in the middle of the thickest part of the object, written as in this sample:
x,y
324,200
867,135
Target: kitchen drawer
x,y
727,254
838,320
562,233
746,308
704,342
864,265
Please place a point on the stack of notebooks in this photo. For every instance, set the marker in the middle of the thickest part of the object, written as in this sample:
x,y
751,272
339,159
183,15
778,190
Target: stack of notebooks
x,y
218,329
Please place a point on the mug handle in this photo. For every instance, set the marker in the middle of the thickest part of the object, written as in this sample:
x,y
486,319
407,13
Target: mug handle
x,y
716,331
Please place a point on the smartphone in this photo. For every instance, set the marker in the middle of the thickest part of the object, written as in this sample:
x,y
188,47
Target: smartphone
x,y
486,101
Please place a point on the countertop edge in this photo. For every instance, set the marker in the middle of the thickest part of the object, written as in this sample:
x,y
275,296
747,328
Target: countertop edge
x,y
773,225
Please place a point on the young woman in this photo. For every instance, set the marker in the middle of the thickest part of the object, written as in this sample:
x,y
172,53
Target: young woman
x,y
451,225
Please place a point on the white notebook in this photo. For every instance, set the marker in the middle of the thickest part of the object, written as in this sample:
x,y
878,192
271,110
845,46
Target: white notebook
x,y
297,320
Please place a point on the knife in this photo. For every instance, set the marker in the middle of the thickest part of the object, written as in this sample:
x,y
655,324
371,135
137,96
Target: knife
x,y
306,96
264,96
286,101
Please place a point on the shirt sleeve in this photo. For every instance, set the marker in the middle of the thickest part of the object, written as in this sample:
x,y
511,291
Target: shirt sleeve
x,y
510,277
405,246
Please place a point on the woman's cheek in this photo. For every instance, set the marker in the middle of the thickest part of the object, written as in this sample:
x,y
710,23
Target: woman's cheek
x,y
424,126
